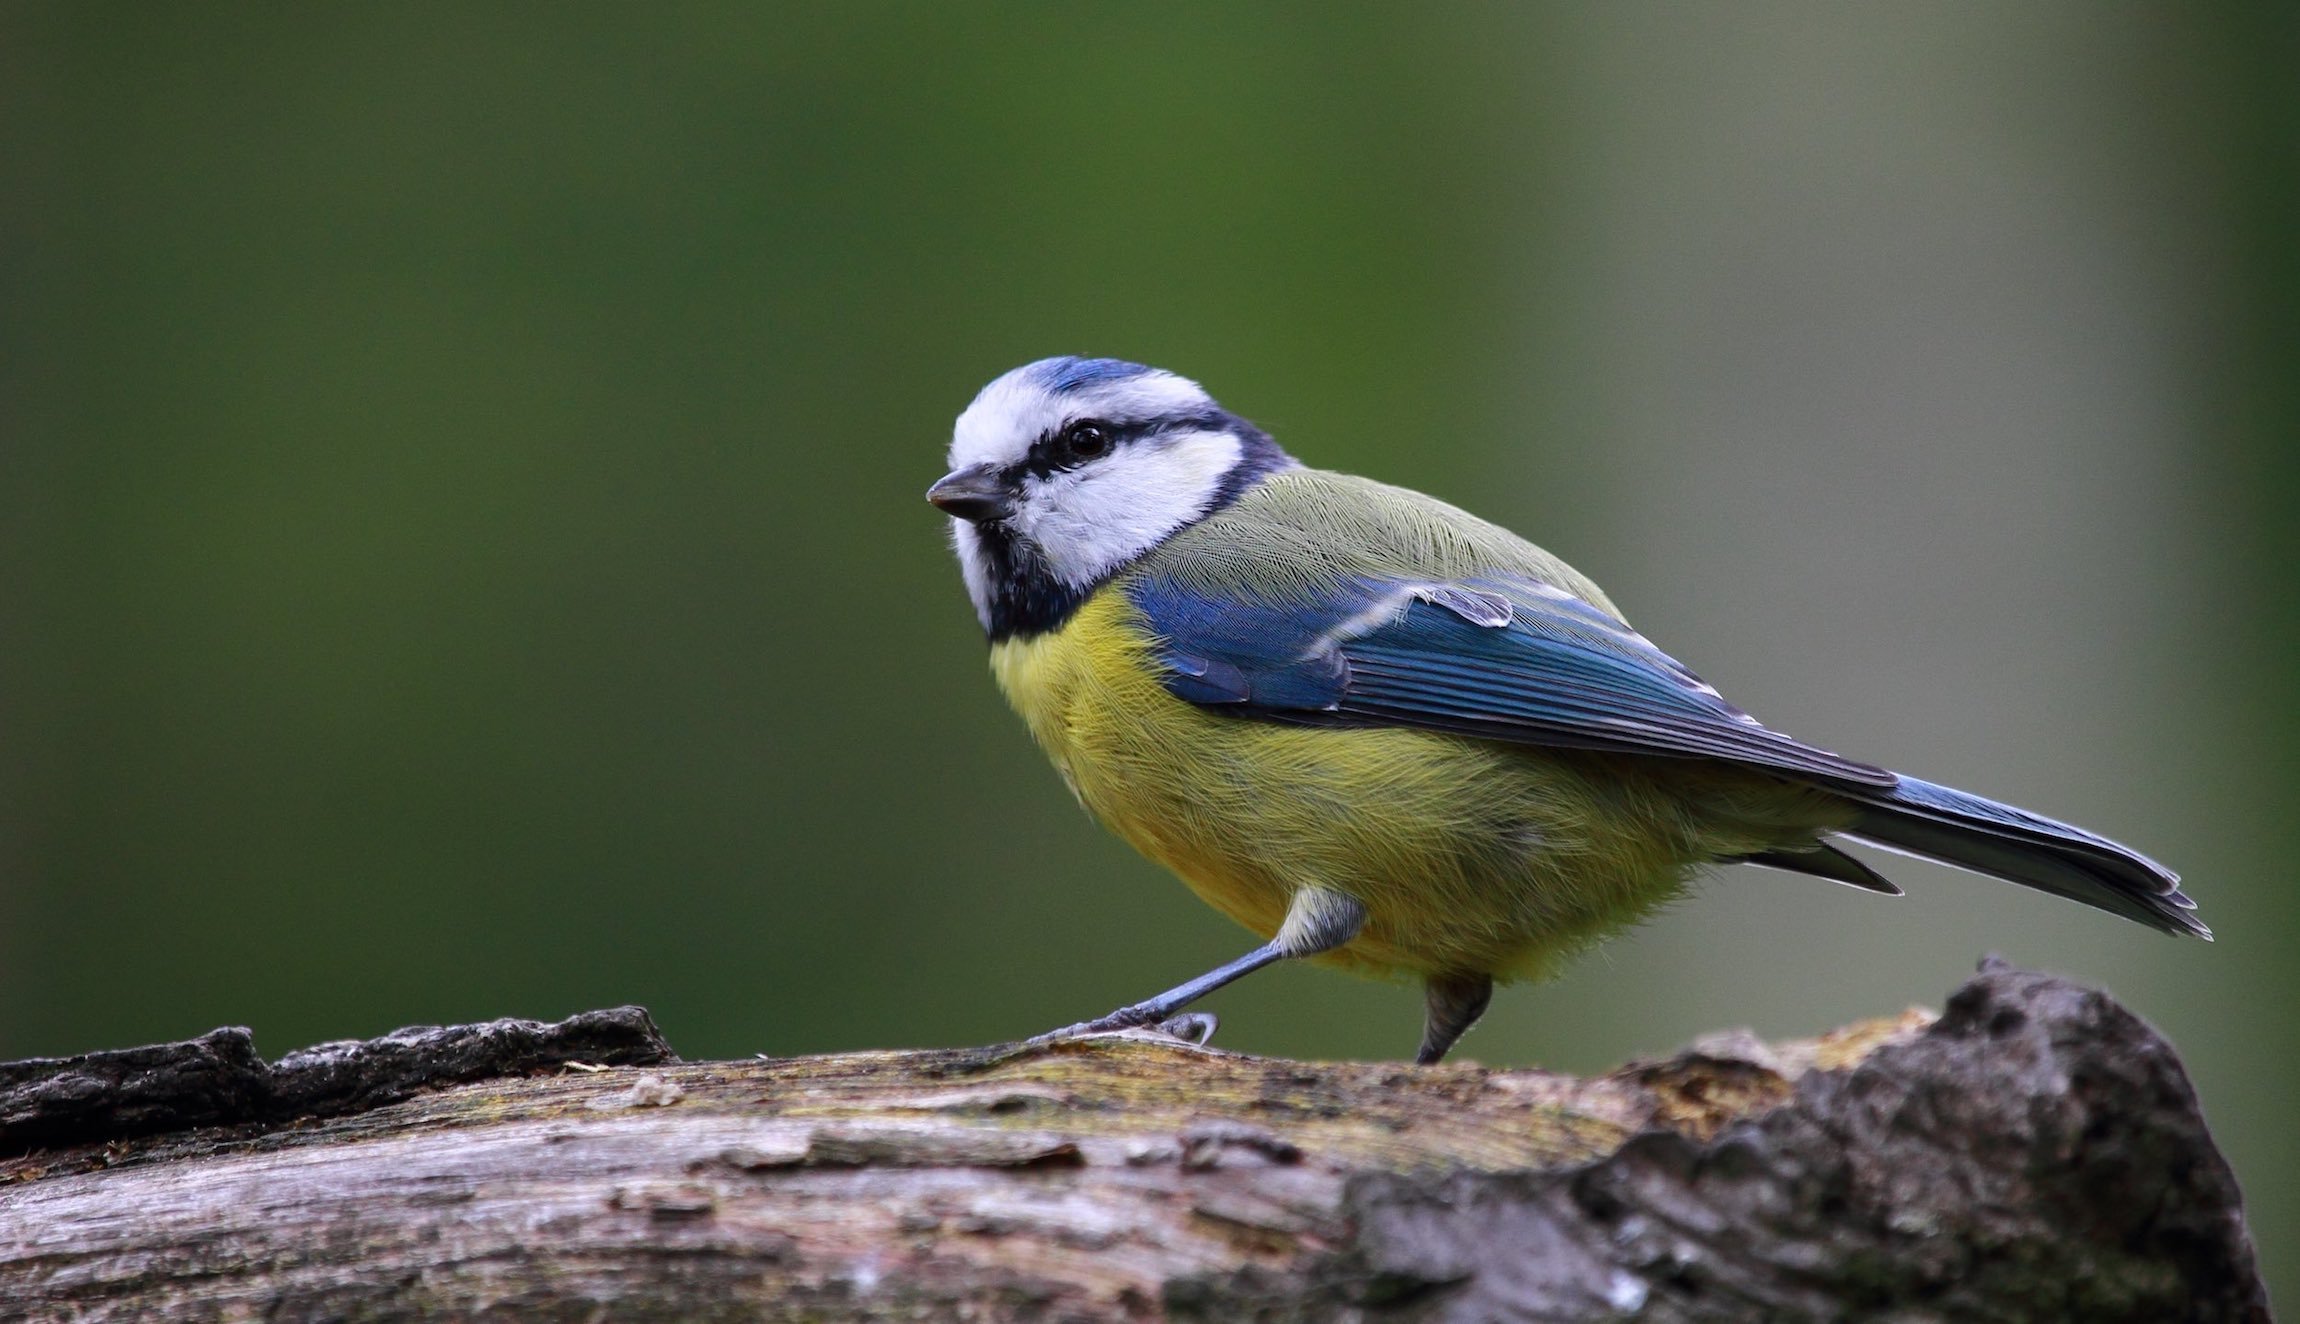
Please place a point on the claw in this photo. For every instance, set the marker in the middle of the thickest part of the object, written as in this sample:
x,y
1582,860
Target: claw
x,y
1191,1027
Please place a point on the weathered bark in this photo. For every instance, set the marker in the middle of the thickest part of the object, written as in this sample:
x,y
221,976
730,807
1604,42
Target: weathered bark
x,y
2035,1153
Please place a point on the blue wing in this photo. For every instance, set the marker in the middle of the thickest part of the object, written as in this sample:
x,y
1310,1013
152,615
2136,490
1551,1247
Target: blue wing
x,y
1520,660
1500,658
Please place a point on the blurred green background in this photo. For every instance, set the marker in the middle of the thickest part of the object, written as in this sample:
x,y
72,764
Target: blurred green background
x,y
461,547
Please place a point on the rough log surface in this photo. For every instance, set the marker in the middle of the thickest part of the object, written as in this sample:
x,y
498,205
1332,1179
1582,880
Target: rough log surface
x,y
2033,1154
217,1079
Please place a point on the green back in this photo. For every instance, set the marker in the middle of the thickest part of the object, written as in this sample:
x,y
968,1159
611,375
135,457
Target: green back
x,y
1296,533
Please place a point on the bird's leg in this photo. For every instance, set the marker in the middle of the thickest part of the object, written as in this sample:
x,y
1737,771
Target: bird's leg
x,y
1172,1000
1455,1003
1317,921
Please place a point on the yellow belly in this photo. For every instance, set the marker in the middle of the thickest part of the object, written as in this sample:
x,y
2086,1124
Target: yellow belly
x,y
1470,856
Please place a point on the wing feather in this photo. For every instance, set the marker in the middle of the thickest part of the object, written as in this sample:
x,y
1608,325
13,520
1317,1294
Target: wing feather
x,y
1499,658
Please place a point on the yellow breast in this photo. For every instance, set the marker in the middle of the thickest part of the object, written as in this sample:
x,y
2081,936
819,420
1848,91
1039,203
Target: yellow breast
x,y
1440,837
1469,855
1199,793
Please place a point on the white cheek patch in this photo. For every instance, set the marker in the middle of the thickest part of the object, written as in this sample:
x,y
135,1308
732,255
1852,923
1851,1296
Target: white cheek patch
x,y
1091,520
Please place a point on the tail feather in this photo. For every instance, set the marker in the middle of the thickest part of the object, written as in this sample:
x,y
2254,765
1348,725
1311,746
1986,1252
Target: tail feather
x,y
1982,835
1825,861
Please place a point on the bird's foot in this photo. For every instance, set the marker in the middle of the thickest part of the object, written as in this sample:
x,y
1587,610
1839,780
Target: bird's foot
x,y
1192,1027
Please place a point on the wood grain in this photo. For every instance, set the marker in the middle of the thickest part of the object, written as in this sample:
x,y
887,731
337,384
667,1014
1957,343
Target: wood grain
x,y
2035,1153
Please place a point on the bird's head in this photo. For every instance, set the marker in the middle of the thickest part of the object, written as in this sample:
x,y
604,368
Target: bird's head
x,y
1066,470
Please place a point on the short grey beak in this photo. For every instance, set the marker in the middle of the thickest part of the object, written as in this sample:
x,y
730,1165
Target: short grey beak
x,y
972,494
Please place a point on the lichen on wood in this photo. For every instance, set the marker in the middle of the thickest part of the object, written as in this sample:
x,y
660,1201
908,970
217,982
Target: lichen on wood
x,y
2035,1153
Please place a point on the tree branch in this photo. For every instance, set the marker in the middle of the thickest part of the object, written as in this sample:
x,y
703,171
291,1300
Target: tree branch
x,y
2035,1153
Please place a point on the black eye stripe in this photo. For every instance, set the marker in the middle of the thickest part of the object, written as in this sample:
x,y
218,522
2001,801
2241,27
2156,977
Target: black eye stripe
x,y
1078,442
1053,453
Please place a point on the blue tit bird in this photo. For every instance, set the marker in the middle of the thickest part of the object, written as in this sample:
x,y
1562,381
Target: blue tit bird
x,y
1384,734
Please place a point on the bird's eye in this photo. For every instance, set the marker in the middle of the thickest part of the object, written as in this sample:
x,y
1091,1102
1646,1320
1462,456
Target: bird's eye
x,y
1085,441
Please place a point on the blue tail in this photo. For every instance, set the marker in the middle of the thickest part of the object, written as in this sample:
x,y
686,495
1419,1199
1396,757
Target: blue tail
x,y
2020,847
